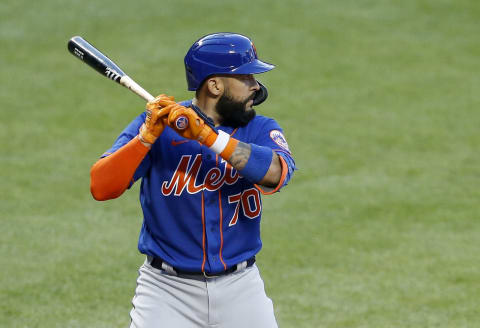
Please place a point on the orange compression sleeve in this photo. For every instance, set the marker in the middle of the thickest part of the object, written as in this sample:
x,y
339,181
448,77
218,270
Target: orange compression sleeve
x,y
110,176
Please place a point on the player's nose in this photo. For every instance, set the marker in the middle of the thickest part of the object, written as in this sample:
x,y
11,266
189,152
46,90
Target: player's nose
x,y
255,85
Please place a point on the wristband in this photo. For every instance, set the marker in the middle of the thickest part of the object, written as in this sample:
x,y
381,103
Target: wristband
x,y
258,163
221,142
224,145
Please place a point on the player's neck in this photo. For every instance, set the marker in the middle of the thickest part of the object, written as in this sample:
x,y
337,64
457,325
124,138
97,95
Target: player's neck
x,y
207,105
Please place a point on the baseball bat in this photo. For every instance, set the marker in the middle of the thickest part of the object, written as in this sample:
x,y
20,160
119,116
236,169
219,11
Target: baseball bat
x,y
90,55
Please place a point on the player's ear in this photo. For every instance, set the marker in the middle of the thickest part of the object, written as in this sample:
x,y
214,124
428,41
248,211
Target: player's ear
x,y
215,86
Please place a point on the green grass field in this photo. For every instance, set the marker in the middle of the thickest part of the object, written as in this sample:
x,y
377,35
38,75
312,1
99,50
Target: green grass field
x,y
379,101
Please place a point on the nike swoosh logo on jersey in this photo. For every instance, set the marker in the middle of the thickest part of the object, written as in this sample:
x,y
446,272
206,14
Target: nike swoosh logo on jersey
x,y
179,142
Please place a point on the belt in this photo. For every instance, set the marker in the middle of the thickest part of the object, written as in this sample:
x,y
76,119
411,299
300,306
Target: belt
x,y
159,264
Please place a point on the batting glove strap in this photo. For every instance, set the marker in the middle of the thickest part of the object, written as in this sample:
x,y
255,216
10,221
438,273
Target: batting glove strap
x,y
145,136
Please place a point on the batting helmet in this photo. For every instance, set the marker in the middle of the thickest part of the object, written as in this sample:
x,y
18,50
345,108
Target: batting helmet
x,y
222,53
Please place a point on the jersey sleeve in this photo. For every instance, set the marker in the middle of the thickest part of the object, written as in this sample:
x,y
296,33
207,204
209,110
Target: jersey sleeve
x,y
128,134
271,135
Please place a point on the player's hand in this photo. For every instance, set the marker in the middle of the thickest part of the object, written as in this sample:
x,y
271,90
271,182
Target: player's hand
x,y
156,118
189,125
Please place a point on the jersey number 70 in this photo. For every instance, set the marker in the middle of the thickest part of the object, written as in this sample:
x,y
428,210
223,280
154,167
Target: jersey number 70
x,y
249,200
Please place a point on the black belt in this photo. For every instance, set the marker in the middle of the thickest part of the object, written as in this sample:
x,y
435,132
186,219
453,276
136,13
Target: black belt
x,y
157,264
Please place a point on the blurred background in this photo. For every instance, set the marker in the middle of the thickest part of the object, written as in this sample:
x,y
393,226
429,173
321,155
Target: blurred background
x,y
379,103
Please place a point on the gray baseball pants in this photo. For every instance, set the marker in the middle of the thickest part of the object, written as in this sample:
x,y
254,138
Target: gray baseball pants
x,y
230,301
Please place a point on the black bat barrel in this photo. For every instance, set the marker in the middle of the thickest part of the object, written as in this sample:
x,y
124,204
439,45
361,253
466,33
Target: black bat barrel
x,y
94,58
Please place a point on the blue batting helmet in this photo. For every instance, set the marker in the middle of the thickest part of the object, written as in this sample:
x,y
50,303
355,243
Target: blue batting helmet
x,y
222,53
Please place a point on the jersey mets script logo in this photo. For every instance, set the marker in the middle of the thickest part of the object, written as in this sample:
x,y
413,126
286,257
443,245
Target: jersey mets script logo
x,y
279,139
186,176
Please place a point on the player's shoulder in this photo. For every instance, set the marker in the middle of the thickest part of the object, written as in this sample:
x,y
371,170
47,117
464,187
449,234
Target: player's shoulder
x,y
261,121
258,128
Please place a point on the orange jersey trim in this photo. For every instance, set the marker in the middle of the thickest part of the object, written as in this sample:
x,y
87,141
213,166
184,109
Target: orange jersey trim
x,y
221,229
203,234
221,223
280,183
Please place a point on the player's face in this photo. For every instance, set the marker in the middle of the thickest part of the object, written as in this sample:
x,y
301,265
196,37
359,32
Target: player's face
x,y
242,87
235,105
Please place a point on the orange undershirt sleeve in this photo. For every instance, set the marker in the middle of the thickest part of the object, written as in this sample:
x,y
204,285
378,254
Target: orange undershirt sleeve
x,y
110,176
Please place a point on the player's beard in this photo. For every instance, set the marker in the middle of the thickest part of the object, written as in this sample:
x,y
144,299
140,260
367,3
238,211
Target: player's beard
x,y
234,113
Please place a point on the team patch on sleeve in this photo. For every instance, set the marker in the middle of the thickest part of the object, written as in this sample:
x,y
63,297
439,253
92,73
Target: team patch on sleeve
x,y
279,139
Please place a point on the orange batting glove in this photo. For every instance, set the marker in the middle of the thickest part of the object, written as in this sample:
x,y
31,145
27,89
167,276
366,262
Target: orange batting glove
x,y
156,118
187,123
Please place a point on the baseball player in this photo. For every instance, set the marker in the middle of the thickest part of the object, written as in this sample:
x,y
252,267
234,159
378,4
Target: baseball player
x,y
204,164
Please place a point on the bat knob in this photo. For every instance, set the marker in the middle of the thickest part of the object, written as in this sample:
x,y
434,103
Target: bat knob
x,y
181,123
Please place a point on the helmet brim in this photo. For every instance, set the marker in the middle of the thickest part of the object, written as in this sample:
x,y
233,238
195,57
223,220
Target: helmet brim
x,y
254,67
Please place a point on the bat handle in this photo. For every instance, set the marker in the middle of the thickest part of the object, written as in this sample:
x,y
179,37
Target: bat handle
x,y
127,82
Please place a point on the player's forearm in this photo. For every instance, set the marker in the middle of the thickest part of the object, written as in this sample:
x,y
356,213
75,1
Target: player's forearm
x,y
110,176
274,173
242,155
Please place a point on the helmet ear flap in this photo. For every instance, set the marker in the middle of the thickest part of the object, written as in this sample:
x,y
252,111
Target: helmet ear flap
x,y
260,95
